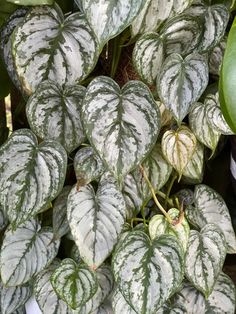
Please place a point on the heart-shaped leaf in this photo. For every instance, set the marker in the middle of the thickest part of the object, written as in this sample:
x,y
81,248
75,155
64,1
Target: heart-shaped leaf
x,y
205,257
181,82
119,304
54,113
75,284
148,56
31,175
211,208
25,252
216,58
109,18
159,225
148,272
13,298
88,166
48,47
96,219
122,125
178,147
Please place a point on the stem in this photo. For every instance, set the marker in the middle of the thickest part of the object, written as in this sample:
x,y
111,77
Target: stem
x,y
154,196
170,188
163,195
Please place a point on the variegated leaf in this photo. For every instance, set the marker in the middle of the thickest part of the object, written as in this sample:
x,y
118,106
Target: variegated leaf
x,y
148,56
13,298
170,308
75,284
25,252
201,126
54,113
32,175
47,47
151,17
88,166
96,219
74,253
46,297
59,219
216,57
178,147
211,208
120,305
159,225
105,308
166,116
122,125
3,219
185,197
181,82
194,168
215,116
182,34
147,272
205,257
108,18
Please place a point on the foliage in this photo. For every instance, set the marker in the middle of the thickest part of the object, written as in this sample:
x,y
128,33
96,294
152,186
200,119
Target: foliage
x,y
92,215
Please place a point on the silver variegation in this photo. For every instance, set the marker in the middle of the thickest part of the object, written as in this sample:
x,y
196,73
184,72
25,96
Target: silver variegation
x,y
119,304
216,57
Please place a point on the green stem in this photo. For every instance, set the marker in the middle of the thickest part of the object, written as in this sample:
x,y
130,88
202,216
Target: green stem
x,y
163,195
170,188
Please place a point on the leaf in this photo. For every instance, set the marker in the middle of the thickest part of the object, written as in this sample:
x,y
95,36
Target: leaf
x,y
166,116
3,219
182,34
32,175
180,5
178,147
63,51
211,208
205,257
122,125
14,297
31,2
181,82
216,57
159,225
54,113
96,219
25,252
151,17
148,56
109,18
75,284
201,127
119,304
59,219
46,297
147,272
87,165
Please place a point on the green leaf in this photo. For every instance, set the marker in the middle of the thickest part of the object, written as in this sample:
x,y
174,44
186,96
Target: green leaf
x,y
178,147
14,298
211,208
181,82
96,219
147,272
46,297
75,284
119,304
54,113
25,252
216,57
59,219
205,257
87,165
122,125
109,18
32,175
159,225
57,49
31,2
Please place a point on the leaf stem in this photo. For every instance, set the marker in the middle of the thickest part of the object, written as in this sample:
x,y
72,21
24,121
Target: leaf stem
x,y
170,188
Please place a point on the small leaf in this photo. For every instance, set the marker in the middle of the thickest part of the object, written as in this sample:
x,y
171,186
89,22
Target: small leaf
x,y
88,166
178,147
122,125
54,113
59,219
96,219
25,252
47,47
181,82
75,284
14,298
211,208
147,272
205,257
110,18
159,225
166,116
32,175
